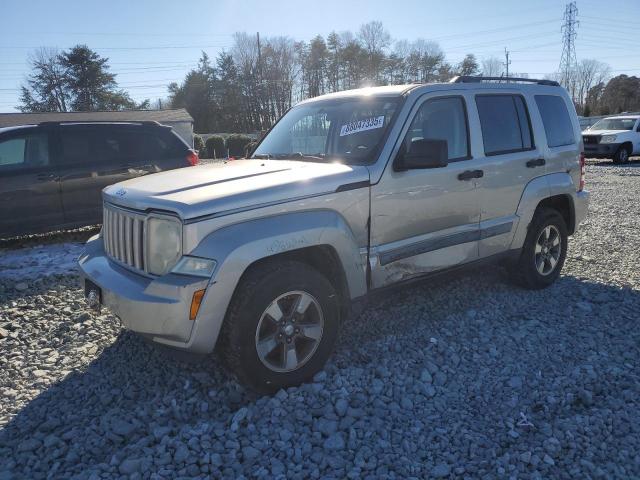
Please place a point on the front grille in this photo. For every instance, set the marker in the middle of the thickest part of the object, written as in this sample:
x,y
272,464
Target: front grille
x,y
591,139
123,236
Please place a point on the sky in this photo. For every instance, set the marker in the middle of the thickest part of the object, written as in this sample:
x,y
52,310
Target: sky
x,y
152,43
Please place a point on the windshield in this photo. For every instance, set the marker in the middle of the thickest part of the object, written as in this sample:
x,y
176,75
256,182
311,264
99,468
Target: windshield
x,y
614,124
347,130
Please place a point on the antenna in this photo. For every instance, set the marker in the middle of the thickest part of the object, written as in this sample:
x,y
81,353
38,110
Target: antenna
x,y
568,60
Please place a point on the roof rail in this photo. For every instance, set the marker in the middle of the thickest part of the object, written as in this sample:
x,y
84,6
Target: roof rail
x,y
478,79
103,122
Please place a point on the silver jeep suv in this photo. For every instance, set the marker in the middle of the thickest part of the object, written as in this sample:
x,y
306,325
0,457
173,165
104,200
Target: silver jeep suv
x,y
348,193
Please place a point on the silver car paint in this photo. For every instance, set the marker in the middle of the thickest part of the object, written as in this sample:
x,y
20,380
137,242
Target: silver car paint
x,y
248,210
222,188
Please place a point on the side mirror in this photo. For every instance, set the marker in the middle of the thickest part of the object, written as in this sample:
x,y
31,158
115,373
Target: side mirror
x,y
429,153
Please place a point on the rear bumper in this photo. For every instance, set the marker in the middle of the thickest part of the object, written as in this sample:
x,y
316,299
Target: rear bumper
x,y
155,307
601,150
581,206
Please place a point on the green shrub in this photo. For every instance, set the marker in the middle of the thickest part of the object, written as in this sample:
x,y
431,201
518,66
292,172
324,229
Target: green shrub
x,y
249,148
215,147
198,145
236,144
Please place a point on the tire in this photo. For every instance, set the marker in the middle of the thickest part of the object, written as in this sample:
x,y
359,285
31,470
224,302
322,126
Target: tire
x,y
526,270
253,340
622,155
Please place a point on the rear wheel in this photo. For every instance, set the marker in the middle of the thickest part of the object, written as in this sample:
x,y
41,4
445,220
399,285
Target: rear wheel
x,y
622,155
544,251
281,326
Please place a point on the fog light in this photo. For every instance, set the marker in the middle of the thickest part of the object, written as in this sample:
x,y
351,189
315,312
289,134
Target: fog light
x,y
196,301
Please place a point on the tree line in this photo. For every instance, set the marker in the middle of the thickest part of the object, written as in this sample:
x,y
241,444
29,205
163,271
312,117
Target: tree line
x,y
248,87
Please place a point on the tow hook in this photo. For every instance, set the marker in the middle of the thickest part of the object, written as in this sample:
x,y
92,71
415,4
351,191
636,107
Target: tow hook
x,y
93,301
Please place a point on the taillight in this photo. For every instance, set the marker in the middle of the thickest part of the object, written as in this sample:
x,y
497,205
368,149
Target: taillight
x,y
582,172
192,158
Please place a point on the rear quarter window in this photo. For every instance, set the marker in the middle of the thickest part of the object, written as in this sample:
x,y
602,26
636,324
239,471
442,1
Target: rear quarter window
x,y
555,118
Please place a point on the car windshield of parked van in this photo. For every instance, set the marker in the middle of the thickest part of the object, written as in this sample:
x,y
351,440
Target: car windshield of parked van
x,y
345,130
614,124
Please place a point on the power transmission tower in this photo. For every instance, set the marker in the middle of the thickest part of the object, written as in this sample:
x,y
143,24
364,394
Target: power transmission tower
x,y
568,60
506,62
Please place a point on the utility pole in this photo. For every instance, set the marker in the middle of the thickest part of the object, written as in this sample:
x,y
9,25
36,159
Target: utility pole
x,y
259,83
568,60
506,62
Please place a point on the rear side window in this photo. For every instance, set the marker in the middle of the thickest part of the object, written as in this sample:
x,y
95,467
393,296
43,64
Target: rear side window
x,y
505,124
24,151
556,120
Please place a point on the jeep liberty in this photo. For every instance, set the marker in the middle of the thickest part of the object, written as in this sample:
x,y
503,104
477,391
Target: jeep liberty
x,y
348,193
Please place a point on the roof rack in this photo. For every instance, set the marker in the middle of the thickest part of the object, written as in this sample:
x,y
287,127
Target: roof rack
x,y
478,79
103,122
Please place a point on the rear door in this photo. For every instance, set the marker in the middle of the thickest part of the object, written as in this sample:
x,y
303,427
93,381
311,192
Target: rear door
x,y
29,184
510,157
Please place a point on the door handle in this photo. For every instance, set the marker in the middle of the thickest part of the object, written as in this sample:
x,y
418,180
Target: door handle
x,y
538,162
469,174
43,177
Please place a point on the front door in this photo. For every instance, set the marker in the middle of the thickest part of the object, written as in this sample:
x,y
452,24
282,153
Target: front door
x,y
426,220
29,184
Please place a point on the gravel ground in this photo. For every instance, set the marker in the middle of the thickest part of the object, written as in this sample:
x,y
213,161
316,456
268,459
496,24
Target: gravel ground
x,y
466,377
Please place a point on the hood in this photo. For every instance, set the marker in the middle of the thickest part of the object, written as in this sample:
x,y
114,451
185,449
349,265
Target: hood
x,y
215,188
604,132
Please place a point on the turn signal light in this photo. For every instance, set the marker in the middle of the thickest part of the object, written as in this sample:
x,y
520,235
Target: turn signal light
x,y
196,301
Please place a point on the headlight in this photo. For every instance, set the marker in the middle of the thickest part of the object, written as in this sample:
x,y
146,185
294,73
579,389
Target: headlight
x,y
608,139
199,267
164,244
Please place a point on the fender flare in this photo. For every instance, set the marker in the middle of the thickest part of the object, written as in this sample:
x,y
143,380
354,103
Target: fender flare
x,y
536,191
236,247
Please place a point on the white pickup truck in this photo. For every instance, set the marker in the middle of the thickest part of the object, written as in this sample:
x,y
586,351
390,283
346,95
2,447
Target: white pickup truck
x,y
616,137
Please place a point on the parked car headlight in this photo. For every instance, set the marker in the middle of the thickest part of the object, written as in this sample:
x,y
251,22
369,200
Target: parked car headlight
x,y
199,267
164,244
608,139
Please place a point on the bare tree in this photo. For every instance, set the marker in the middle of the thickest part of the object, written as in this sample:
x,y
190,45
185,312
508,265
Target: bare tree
x,y
45,89
492,67
374,39
589,72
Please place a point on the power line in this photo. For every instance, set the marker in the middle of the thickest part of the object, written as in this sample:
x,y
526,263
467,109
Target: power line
x,y
163,47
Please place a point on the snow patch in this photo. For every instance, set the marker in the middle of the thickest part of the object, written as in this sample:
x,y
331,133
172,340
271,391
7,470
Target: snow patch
x,y
40,261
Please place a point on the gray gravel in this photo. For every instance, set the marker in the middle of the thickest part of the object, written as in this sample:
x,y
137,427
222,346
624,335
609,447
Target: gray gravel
x,y
466,377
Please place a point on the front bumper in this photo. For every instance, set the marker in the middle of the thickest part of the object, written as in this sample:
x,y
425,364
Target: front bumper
x,y
155,307
601,150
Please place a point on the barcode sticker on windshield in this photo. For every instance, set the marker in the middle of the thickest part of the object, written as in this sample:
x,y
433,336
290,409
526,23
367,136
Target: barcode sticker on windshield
x,y
362,125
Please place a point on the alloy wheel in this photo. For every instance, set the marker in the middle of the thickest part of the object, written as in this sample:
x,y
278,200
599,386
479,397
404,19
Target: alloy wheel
x,y
548,249
289,331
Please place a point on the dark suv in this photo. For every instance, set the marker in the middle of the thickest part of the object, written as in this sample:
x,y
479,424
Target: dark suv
x,y
52,174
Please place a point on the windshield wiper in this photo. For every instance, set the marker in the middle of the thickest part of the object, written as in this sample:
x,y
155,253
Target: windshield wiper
x,y
300,155
262,156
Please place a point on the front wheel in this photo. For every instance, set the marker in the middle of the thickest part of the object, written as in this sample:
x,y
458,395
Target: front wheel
x,y
621,155
281,326
544,251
